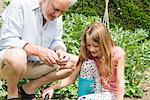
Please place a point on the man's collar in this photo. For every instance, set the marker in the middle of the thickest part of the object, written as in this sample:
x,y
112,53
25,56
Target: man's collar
x,y
35,4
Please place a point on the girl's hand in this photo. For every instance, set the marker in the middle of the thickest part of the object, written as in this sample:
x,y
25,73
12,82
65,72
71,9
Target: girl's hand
x,y
47,92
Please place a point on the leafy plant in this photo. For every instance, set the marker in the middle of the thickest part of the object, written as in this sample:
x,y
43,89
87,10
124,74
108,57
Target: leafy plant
x,y
7,2
129,14
136,45
3,92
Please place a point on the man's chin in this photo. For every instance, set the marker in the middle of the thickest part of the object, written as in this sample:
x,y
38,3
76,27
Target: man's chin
x,y
50,19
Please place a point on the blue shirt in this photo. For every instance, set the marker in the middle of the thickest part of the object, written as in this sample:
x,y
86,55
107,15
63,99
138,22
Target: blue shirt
x,y
23,23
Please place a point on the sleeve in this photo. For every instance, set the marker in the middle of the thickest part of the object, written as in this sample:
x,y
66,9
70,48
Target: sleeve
x,y
11,30
118,53
57,42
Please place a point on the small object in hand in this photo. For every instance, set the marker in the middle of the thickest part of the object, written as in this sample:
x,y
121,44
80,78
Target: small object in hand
x,y
57,67
46,97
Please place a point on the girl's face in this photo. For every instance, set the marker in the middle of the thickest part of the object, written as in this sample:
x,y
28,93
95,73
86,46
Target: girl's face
x,y
92,46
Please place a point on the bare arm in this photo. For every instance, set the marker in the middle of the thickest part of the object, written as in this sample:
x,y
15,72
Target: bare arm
x,y
48,56
120,79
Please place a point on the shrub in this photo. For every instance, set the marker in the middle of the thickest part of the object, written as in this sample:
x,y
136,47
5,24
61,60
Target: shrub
x,y
3,92
136,45
129,14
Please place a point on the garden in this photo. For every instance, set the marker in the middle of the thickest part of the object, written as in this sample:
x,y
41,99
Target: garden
x,y
129,28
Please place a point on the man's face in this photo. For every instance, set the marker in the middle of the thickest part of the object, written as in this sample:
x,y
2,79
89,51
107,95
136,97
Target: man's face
x,y
52,9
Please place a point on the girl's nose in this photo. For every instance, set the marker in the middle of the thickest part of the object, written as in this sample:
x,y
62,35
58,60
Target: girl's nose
x,y
91,49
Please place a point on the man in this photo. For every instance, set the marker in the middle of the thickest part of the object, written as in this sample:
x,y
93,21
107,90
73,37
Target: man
x,y
31,45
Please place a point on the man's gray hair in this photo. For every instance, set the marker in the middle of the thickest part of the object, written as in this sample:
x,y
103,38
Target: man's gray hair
x,y
72,2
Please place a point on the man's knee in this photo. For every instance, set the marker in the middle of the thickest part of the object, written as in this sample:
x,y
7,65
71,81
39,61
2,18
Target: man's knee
x,y
15,58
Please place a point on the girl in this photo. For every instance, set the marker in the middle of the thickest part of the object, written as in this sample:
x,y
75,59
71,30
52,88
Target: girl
x,y
100,67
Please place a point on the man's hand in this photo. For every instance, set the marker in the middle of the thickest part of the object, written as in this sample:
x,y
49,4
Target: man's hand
x,y
63,56
66,61
48,92
48,56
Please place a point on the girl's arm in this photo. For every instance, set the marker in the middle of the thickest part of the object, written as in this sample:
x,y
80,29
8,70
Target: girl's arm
x,y
120,77
64,82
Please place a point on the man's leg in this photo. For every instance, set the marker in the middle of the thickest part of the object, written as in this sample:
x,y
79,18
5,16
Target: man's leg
x,y
13,66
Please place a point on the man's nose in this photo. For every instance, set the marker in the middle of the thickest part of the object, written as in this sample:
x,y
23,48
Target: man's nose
x,y
57,14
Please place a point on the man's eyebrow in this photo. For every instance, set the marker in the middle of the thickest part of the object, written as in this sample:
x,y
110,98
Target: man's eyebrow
x,y
57,8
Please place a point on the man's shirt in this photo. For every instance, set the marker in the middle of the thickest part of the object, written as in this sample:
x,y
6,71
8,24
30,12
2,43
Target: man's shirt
x,y
23,23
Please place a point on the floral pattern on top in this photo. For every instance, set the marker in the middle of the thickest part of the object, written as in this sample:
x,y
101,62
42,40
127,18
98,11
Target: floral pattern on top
x,y
90,71
87,69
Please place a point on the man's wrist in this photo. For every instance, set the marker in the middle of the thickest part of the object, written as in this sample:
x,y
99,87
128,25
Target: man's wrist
x,y
31,49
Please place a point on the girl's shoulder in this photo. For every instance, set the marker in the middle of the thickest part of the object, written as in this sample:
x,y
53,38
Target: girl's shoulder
x,y
118,52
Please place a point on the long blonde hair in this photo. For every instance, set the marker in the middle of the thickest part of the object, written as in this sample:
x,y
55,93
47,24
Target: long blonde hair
x,y
99,34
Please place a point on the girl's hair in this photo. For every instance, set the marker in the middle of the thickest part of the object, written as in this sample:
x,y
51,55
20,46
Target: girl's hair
x,y
100,34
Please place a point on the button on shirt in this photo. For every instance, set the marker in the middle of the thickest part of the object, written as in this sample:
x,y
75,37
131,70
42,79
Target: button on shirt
x,y
23,23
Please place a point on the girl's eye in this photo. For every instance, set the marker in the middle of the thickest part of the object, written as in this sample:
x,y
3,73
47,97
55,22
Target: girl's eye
x,y
96,46
87,45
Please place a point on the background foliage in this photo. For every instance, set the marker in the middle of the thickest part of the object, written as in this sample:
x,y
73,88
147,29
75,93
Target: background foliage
x,y
129,14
